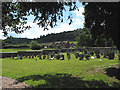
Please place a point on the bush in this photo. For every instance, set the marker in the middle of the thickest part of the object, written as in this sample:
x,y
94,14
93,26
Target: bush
x,y
51,46
34,45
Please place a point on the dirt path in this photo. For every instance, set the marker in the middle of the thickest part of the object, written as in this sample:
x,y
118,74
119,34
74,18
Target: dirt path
x,y
11,83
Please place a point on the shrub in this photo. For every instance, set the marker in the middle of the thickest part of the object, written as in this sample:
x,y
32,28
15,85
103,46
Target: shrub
x,y
34,45
51,46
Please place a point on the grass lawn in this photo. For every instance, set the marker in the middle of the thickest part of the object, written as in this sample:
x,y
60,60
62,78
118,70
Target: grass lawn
x,y
16,50
13,50
71,73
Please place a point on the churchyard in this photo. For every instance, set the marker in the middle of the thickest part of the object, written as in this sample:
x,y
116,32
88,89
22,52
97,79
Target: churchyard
x,y
71,69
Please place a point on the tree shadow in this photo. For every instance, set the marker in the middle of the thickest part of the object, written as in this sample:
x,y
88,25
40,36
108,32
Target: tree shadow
x,y
66,81
113,72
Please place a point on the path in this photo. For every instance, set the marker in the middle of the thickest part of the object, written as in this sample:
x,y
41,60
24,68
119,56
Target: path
x,y
11,83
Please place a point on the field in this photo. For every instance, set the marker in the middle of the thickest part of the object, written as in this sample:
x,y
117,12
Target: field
x,y
72,73
16,50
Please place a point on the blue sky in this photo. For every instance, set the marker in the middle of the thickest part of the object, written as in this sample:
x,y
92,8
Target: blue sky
x,y
36,31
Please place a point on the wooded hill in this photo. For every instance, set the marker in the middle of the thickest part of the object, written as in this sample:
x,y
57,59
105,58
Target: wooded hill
x,y
63,36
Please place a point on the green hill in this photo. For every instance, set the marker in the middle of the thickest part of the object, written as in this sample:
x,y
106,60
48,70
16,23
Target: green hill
x,y
63,36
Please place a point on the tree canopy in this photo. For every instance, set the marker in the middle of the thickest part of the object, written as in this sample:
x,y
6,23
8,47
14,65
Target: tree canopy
x,y
46,14
101,17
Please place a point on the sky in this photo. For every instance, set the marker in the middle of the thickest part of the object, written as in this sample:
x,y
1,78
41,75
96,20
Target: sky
x,y
36,31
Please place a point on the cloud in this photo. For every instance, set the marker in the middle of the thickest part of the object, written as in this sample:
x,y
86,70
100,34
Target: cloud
x,y
1,35
80,12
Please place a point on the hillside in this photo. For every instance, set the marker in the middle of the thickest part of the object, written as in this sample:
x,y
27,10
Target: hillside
x,y
63,36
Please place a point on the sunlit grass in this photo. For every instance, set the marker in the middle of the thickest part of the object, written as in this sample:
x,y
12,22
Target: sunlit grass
x,y
43,68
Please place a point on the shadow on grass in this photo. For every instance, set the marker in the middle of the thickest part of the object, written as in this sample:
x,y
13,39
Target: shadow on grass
x,y
66,81
113,72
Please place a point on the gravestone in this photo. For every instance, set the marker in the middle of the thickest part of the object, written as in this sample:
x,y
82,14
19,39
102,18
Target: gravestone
x,y
81,56
92,53
51,56
44,56
87,57
111,55
58,56
20,57
77,55
68,55
119,56
62,57
55,56
12,57
32,56
26,56
98,55
85,52
40,56
48,56
29,56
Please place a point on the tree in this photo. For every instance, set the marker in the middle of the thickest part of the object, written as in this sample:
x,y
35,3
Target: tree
x,y
14,15
84,38
102,19
34,45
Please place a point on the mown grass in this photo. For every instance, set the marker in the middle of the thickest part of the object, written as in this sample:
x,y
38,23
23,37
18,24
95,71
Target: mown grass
x,y
66,73
13,50
16,50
